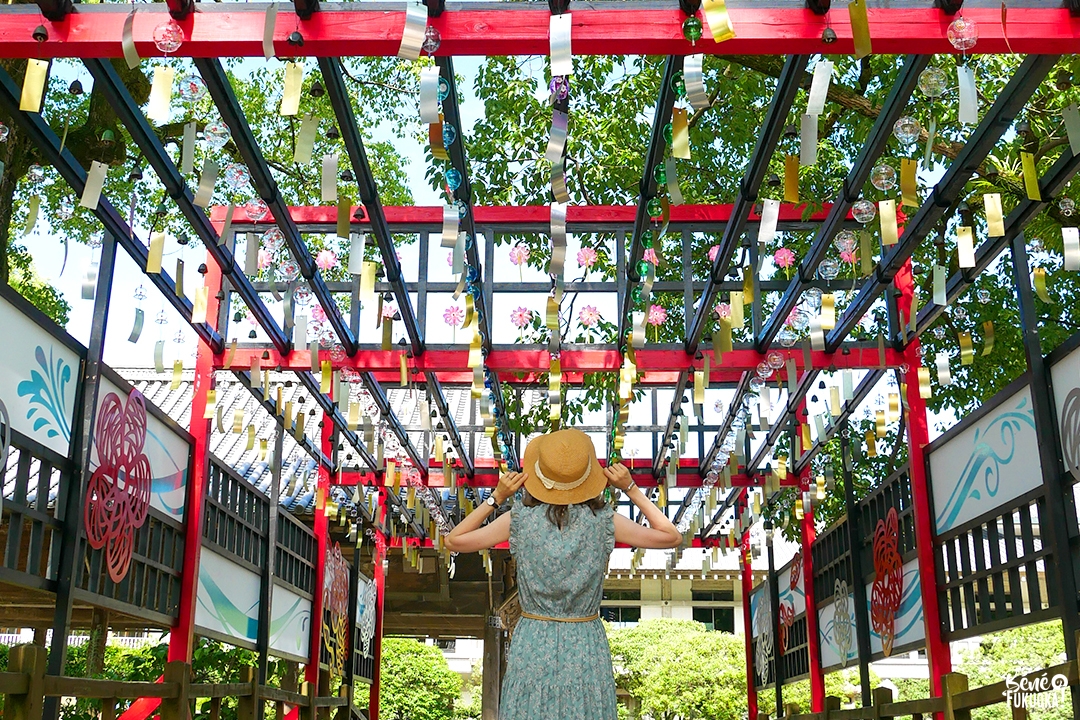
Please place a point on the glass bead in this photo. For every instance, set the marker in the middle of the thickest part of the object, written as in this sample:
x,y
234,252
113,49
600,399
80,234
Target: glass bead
x,y
453,178
668,133
444,88
140,293
655,207
829,269
660,175
462,209
449,135
691,29
4,132
718,406
763,370
559,87
756,385
864,211
273,239
256,209
289,270
432,40
1035,245
216,134
939,332
162,318
933,82
845,241
921,351
302,294
192,88
1067,206
65,209
813,298
236,176
983,295
775,358
168,36
729,443
35,173
883,177
960,313
635,294
963,33
642,268
678,85
906,130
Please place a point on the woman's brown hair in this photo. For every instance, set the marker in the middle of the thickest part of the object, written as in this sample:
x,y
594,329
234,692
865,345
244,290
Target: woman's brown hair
x,y
556,514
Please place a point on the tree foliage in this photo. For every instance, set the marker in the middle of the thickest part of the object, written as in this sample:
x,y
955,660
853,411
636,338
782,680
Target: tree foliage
x,y
416,681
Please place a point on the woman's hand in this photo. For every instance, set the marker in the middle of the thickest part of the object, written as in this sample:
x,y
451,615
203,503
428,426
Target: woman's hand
x,y
618,476
508,485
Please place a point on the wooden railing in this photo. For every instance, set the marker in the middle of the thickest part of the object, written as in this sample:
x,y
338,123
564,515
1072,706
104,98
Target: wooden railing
x,y
956,701
25,687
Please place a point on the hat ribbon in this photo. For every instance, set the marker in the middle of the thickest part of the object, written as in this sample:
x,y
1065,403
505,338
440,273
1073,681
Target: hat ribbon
x,y
556,485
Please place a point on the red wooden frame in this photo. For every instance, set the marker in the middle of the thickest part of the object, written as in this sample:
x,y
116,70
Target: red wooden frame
x,y
813,640
237,31
747,578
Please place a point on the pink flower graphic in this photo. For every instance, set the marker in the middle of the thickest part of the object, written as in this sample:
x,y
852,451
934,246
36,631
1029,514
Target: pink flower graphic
x,y
519,254
657,315
521,317
264,259
713,252
849,256
586,257
388,311
453,316
588,316
650,256
722,310
793,317
318,314
450,259
783,257
326,260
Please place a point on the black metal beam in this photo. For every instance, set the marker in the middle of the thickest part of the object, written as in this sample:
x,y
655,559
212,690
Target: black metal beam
x,y
180,9
772,127
334,81
74,175
875,145
450,425
305,8
112,88
740,390
946,193
856,582
1051,184
217,83
673,417
57,10
861,392
804,385
654,157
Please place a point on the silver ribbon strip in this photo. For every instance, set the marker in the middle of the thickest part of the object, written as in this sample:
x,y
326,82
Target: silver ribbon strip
x,y
251,257
95,180
931,133
159,352
1070,240
32,214
647,284
944,375
449,226
305,140
329,178
558,239
288,310
207,180
792,378
969,98
848,382
356,253
562,60
187,152
226,227
459,254
639,329
412,37
557,141
1071,116
269,22
313,349
89,283
694,79
429,94
819,87
558,182
63,264
137,326
127,41
299,332
272,282
770,215
940,297
808,141
817,335
673,181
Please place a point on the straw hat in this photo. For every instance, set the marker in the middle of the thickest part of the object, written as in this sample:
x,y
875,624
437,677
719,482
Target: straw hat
x,y
562,468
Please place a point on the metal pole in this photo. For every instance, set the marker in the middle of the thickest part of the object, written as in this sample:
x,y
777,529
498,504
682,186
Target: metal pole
x,y
747,578
813,640
858,585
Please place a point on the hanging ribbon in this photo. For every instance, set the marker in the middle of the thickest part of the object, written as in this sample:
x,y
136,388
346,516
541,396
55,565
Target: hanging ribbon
x,y
860,28
294,82
562,60
137,326
791,179
269,23
694,80
1031,177
1040,285
808,140
207,180
967,352
33,88
944,375
680,134
995,222
32,214
177,371
429,94
965,247
160,107
988,338
890,232
1071,116
969,97
1070,243
931,133
127,41
719,22
95,181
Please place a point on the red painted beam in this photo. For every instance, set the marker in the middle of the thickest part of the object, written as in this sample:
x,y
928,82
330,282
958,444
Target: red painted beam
x,y
604,29
527,215
747,579
537,360
813,639
426,544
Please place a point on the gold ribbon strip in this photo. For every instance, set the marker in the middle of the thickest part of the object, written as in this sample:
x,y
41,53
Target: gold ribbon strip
x,y
1031,177
1040,285
860,28
988,338
719,22
791,179
967,352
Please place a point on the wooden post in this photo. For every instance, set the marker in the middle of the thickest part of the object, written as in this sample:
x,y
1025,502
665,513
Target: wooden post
x,y
791,709
831,703
492,680
952,684
247,705
108,709
28,660
95,647
176,708
882,696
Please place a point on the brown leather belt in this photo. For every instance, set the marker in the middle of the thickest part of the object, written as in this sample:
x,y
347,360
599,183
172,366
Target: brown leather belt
x,y
560,619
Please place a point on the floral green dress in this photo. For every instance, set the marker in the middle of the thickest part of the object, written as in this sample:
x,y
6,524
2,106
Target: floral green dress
x,y
560,670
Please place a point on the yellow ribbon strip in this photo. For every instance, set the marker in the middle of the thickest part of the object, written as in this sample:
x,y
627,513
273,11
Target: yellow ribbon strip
x,y
871,444
988,338
791,179
889,231
680,134
1031,177
1040,285
828,311
860,28
967,352
177,369
716,15
924,383
995,221
210,409
909,192
879,422
737,302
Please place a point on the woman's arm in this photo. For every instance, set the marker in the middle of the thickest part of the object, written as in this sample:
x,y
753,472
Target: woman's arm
x,y
471,535
661,533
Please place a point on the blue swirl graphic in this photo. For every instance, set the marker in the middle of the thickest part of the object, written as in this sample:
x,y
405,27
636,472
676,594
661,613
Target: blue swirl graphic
x,y
985,463
49,390
236,622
